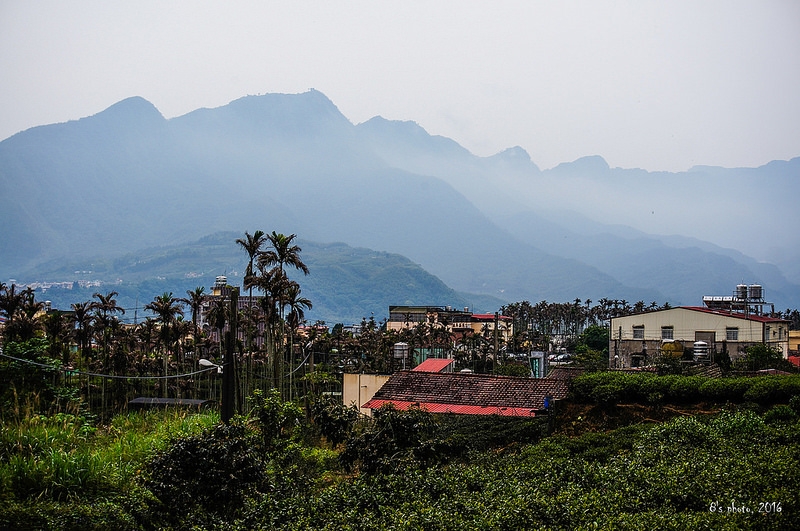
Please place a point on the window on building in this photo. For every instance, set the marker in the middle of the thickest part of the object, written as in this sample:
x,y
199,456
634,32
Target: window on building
x,y
732,334
638,332
667,332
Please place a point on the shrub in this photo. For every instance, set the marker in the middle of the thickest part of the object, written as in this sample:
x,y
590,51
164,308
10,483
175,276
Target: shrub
x,y
334,420
724,389
739,425
278,420
794,403
772,389
780,413
686,388
393,439
215,471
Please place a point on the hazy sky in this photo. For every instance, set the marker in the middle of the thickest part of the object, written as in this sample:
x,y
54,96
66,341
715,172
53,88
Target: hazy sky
x,y
657,85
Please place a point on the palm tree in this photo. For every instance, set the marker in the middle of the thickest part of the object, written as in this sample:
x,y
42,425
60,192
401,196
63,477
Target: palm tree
x,y
105,310
195,300
25,322
11,302
271,282
272,264
166,308
82,320
59,334
145,333
296,305
252,245
218,317
283,253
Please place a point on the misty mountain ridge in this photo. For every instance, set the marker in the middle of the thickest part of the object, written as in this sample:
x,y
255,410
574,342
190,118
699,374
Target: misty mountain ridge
x,y
346,284
127,179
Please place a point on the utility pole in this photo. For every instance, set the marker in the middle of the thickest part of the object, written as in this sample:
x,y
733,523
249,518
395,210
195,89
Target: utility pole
x,y
496,344
229,363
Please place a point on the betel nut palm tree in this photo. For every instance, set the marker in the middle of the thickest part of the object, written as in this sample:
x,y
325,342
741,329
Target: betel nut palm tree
x,y
166,309
297,305
82,321
105,310
252,244
195,300
272,264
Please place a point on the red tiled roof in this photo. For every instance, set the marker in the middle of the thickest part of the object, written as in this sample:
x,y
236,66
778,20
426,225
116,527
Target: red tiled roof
x,y
794,360
433,365
461,392
737,315
453,408
565,373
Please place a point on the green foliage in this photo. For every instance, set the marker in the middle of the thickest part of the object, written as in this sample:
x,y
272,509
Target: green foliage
x,y
612,387
214,472
395,438
667,476
780,413
591,359
62,472
688,473
410,469
773,389
277,420
513,369
595,337
762,356
334,420
34,388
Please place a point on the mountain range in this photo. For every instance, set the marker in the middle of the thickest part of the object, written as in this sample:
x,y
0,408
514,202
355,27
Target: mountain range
x,y
492,229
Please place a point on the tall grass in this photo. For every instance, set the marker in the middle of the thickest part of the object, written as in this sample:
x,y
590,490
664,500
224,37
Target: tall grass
x,y
63,457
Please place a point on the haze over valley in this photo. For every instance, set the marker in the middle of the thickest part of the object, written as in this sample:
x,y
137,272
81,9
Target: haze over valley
x,y
492,229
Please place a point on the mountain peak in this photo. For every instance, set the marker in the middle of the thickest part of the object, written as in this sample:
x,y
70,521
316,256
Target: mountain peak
x,y
513,154
514,157
411,136
275,113
134,107
592,163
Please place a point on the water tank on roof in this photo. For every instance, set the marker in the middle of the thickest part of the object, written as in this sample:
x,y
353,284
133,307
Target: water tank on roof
x,y
221,281
741,291
400,350
754,291
700,350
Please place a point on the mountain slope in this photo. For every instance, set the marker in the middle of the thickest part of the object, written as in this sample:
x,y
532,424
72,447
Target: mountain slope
x,y
749,206
345,283
128,179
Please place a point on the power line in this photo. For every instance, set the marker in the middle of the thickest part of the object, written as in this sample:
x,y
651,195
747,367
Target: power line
x,y
113,376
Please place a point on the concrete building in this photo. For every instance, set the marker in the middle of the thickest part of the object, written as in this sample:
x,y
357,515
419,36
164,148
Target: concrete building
x,y
457,322
637,340
357,389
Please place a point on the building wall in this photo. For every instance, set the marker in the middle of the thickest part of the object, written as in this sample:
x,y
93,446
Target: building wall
x,y
794,341
358,389
459,322
642,334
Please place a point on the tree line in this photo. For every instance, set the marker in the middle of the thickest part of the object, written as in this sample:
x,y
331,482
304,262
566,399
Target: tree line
x,y
274,344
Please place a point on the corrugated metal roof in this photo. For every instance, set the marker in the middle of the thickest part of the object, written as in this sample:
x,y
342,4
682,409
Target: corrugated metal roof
x,y
737,315
433,365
